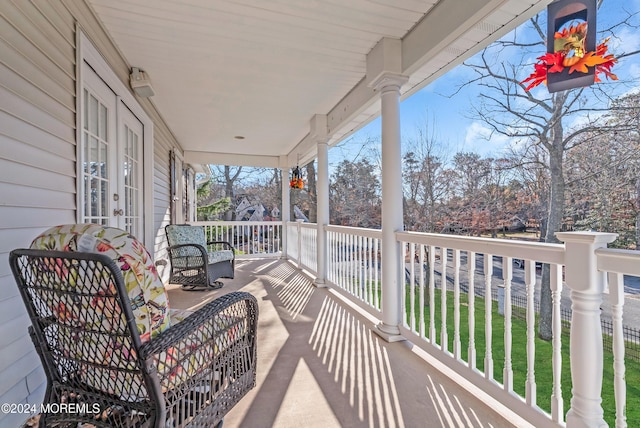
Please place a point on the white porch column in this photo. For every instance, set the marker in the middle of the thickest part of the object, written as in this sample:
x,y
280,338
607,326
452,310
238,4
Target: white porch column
x,y
392,213
322,204
286,204
587,286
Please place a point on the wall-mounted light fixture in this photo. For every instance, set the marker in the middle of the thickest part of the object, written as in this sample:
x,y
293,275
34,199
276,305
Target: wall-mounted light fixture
x,y
140,83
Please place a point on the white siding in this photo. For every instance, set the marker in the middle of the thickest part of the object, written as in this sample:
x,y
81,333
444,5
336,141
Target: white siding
x,y
38,156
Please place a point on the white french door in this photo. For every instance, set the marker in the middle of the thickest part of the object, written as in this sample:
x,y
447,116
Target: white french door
x,y
111,158
129,205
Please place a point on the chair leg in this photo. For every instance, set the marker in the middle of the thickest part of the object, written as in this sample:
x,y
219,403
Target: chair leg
x,y
202,287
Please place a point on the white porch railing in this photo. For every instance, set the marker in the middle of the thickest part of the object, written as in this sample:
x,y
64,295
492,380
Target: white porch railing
x,y
262,238
302,247
354,262
462,272
449,312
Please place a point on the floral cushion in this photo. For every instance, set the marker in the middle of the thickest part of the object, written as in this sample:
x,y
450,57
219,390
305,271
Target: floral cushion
x,y
149,303
144,287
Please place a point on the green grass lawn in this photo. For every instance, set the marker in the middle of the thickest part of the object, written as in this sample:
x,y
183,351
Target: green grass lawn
x,y
543,355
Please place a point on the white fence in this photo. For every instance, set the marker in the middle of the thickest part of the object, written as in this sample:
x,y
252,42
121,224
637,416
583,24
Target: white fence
x,y
248,238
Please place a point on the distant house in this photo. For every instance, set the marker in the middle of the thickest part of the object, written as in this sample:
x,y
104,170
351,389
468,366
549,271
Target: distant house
x,y
249,209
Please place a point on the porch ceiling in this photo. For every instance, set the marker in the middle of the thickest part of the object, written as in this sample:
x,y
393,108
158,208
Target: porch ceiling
x,y
262,69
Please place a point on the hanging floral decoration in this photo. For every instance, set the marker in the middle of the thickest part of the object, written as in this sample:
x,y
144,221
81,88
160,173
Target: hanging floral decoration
x,y
569,51
296,179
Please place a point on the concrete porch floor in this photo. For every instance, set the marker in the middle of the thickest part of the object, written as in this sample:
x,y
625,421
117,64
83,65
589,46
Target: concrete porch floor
x,y
321,365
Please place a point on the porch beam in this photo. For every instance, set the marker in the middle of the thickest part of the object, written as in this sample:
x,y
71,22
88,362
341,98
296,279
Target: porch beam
x,y
439,28
235,159
442,26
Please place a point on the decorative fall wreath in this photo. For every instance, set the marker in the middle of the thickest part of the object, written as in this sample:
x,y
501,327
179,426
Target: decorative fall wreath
x,y
296,181
569,51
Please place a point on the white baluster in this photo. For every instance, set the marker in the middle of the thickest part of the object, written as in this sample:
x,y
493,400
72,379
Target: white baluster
x,y
376,248
456,304
432,296
422,287
557,402
471,266
488,355
507,275
530,287
616,294
444,345
412,287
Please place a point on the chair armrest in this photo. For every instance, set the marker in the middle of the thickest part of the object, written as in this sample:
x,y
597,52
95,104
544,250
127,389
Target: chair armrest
x,y
227,245
224,314
187,256
199,249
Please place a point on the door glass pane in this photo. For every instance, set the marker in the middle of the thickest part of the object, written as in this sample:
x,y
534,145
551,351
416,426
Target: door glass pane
x,y
102,131
131,170
85,121
95,160
93,115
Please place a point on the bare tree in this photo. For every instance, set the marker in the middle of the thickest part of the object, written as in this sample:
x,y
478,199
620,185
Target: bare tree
x,y
425,189
552,121
354,194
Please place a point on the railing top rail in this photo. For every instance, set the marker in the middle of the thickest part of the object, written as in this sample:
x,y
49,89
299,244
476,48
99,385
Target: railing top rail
x,y
538,251
307,225
235,223
360,231
619,261
302,224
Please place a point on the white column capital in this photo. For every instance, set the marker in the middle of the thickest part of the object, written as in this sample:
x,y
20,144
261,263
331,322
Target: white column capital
x,y
319,128
594,238
388,80
580,259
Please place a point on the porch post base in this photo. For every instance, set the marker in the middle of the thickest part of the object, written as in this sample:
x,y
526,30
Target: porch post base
x,y
575,420
389,333
320,283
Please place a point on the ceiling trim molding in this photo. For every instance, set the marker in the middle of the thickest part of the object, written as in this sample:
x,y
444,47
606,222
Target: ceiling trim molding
x,y
235,159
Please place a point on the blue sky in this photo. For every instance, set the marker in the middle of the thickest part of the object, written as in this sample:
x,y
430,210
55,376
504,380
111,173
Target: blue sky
x,y
449,117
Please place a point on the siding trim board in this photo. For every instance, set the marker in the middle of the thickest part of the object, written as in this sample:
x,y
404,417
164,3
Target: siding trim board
x,y
42,48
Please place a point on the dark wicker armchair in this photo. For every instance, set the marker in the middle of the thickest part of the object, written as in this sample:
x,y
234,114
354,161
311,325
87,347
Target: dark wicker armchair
x,y
196,263
107,349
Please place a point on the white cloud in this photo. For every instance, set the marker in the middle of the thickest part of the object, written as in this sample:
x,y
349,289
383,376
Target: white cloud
x,y
481,139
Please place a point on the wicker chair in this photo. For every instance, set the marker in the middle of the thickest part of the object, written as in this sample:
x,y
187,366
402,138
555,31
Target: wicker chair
x,y
110,347
196,263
